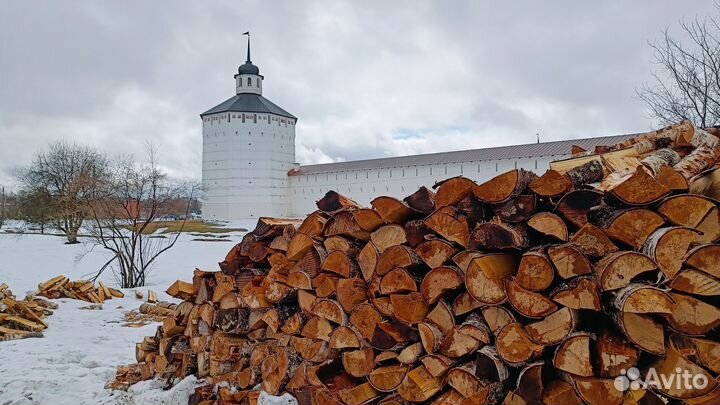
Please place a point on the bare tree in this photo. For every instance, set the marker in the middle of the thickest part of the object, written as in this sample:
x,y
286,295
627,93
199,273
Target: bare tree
x,y
125,212
687,84
70,173
3,203
37,207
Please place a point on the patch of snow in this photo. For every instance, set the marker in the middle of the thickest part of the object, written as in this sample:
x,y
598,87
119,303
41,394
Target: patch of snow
x,y
285,399
82,348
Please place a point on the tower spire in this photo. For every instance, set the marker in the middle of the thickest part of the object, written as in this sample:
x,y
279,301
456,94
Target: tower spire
x,y
248,47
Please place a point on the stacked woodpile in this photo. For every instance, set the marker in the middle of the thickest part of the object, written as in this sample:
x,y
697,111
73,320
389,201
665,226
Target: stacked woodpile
x,y
519,290
85,290
22,319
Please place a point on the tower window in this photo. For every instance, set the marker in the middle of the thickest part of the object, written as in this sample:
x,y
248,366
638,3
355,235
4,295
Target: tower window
x,y
258,83
249,82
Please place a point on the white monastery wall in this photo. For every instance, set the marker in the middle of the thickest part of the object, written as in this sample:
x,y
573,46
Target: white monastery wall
x,y
364,185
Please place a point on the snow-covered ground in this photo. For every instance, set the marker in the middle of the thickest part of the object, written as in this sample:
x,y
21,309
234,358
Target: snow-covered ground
x,y
82,348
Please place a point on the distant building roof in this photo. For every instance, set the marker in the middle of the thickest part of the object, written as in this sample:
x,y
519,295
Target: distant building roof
x,y
249,102
531,150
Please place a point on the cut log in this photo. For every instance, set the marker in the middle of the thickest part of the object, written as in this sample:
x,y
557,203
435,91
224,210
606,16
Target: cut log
x,y
367,260
332,201
618,270
667,246
640,189
514,345
642,331
692,316
497,317
553,328
495,236
549,224
528,303
451,191
435,252
365,318
673,180
643,299
559,392
614,356
573,355
569,261
409,308
664,157
592,241
439,282
350,292
705,258
423,200
367,219
397,256
674,363
697,161
449,224
575,206
696,282
685,209
388,236
597,390
551,184
517,209
590,172
485,277
340,263
579,293
463,379
345,337
465,303
398,281
631,227
504,187
299,246
359,363
419,386
535,272
392,210
457,344
416,232
430,337
387,378
437,364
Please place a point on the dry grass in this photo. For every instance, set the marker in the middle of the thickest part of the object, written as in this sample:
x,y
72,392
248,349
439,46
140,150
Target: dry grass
x,y
194,226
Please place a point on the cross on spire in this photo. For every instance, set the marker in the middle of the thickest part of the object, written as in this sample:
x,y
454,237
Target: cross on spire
x,y
248,47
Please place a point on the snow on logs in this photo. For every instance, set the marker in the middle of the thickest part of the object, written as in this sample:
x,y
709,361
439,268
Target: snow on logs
x,y
520,290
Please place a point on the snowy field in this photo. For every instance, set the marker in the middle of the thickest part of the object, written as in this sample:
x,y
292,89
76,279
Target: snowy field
x,y
82,348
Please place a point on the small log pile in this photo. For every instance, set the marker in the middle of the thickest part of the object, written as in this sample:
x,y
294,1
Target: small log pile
x,y
521,290
149,312
22,319
85,290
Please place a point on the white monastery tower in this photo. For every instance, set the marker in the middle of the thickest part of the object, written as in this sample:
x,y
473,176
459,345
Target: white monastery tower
x,y
248,149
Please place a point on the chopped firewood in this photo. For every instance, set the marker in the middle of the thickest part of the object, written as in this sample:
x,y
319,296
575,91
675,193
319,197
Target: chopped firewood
x,y
22,319
519,290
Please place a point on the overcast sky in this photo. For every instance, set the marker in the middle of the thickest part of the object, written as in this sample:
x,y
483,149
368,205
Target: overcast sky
x,y
366,78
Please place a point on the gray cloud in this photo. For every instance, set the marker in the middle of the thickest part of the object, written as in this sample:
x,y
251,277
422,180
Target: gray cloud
x,y
366,79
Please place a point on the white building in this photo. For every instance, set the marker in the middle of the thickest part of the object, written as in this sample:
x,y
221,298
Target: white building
x,y
249,154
